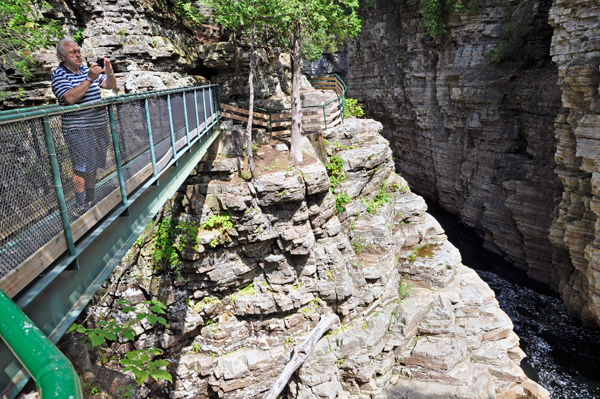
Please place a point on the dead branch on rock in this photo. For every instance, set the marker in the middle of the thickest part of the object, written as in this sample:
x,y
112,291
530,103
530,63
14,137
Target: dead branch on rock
x,y
301,353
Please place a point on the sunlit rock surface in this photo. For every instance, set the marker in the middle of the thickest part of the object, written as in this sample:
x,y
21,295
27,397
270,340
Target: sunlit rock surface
x,y
414,321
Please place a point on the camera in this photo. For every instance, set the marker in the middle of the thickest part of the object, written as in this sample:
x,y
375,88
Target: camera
x,y
100,62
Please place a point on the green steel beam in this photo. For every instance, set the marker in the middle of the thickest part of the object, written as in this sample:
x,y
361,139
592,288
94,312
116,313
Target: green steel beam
x,y
54,300
53,373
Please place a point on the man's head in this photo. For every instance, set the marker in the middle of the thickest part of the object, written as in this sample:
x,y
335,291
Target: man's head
x,y
68,52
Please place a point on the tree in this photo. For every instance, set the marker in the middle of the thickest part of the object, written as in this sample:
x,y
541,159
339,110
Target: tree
x,y
248,14
308,28
23,30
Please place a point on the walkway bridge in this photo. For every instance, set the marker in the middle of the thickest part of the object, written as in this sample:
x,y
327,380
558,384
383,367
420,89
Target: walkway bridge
x,y
53,255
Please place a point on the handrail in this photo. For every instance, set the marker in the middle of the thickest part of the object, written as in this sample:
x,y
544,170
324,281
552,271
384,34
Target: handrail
x,y
52,371
43,114
55,109
152,93
340,100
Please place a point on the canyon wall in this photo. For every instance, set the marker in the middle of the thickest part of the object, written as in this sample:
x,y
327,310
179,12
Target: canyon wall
x,y
576,228
478,136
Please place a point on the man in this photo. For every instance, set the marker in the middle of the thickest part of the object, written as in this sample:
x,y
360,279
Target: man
x,y
86,133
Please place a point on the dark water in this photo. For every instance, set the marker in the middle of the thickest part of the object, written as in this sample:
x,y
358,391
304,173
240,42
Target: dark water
x,y
562,354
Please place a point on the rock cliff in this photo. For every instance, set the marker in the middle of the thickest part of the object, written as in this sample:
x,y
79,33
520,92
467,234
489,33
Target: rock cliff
x,y
481,137
413,320
576,227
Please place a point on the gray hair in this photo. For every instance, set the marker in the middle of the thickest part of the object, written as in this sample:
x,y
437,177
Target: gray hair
x,y
60,48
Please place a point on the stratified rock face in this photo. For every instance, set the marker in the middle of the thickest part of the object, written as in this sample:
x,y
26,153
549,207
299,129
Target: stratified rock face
x,y
414,322
472,134
576,228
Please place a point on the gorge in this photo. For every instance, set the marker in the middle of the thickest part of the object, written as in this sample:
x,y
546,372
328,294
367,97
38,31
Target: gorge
x,y
495,120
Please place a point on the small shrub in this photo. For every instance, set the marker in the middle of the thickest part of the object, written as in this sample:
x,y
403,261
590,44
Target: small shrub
x,y
404,290
351,108
335,169
359,246
218,222
341,199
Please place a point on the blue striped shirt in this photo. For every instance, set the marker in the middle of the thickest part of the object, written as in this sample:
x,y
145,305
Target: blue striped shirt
x,y
64,80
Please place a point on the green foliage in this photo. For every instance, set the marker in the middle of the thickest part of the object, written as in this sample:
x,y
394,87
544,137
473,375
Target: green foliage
x,y
114,332
351,108
515,30
139,363
78,36
335,170
170,237
186,11
218,222
324,25
341,199
359,246
337,146
248,290
404,290
23,30
206,301
435,12
382,197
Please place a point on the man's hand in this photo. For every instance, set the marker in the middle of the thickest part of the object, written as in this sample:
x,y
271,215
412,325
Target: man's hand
x,y
107,66
111,81
94,71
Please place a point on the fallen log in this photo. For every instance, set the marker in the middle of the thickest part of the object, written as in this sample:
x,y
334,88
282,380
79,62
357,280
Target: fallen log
x,y
301,353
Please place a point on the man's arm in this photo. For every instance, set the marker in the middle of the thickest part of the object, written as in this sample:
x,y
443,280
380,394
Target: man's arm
x,y
111,81
77,92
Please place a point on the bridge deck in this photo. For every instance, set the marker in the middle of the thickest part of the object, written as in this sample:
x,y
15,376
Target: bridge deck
x,y
52,258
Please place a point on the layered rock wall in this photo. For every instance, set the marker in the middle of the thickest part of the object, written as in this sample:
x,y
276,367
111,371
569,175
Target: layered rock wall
x,y
414,321
498,144
576,228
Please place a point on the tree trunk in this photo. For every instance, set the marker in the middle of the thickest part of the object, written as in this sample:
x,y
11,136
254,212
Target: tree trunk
x,y
301,353
251,102
296,144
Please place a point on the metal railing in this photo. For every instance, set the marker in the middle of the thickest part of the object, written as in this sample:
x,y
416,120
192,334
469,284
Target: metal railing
x,y
315,118
49,156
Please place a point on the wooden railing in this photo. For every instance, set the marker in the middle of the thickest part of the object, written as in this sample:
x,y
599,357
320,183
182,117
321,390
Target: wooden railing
x,y
315,118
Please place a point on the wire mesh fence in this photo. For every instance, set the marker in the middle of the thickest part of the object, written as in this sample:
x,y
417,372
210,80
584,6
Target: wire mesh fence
x,y
27,198
86,168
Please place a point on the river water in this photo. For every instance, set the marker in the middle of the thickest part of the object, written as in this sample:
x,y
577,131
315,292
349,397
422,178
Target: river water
x,y
562,354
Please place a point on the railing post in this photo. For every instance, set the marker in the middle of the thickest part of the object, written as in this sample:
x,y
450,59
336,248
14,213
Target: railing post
x,y
197,118
171,129
325,117
271,122
60,196
185,118
218,100
150,140
115,140
210,98
343,108
204,106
